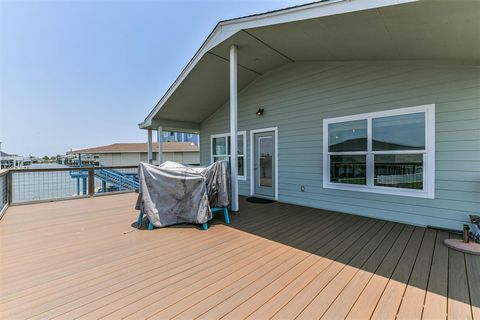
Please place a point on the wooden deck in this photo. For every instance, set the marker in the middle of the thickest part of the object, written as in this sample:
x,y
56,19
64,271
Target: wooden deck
x,y
86,259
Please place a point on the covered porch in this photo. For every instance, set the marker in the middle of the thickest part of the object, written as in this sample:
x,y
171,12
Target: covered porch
x,y
241,53
86,259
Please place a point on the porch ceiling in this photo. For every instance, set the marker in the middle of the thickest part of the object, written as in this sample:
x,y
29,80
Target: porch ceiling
x,y
429,29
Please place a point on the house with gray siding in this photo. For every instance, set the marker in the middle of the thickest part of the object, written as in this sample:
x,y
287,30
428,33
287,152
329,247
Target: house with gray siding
x,y
364,107
171,136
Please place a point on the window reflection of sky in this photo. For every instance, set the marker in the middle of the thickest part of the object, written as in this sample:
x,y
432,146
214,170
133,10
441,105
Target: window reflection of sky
x,y
350,131
404,131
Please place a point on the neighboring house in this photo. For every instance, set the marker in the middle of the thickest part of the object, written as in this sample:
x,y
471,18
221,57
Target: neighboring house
x,y
364,107
171,136
71,159
12,161
127,154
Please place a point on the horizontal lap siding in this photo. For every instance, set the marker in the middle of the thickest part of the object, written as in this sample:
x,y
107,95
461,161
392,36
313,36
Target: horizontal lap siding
x,y
296,99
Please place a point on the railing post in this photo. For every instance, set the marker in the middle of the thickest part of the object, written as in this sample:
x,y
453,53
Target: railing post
x,y
91,182
9,187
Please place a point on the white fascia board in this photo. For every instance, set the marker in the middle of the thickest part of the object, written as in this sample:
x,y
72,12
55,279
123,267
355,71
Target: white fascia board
x,y
314,10
225,29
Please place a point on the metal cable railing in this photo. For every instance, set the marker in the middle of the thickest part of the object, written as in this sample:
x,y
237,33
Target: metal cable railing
x,y
3,192
48,184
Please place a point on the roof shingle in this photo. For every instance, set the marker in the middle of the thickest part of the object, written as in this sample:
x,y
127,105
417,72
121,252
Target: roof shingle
x,y
139,147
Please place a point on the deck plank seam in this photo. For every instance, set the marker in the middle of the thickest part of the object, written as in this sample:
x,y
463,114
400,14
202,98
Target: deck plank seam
x,y
73,263
298,276
343,267
468,287
90,257
324,268
249,242
362,265
299,225
109,294
373,273
410,275
293,279
307,256
332,224
393,271
429,274
330,279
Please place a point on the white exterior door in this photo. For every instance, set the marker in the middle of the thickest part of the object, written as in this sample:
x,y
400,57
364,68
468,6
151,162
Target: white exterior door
x,y
264,164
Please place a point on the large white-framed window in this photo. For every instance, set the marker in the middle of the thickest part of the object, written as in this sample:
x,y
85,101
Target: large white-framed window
x,y
388,152
220,150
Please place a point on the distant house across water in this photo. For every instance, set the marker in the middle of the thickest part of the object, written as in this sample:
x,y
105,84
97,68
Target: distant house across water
x,y
126,154
170,136
12,161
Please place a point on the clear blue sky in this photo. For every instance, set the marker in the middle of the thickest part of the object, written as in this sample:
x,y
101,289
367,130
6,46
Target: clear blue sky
x,y
85,73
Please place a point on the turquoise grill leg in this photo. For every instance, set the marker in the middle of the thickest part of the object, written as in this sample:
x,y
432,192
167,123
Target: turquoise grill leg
x,y
150,226
226,216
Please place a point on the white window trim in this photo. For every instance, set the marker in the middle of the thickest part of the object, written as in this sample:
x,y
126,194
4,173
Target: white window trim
x,y
225,135
428,158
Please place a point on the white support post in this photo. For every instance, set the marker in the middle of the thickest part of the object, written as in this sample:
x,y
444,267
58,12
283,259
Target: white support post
x,y
233,128
160,145
149,147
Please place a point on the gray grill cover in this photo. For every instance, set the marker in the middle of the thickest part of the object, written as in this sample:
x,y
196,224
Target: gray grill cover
x,y
173,193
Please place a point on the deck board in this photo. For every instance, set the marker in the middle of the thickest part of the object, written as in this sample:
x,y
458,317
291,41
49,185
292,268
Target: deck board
x,y
458,293
86,258
365,304
391,298
327,295
472,264
353,244
209,281
436,295
357,278
414,297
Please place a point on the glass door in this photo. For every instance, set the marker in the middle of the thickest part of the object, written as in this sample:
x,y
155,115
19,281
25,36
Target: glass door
x,y
264,164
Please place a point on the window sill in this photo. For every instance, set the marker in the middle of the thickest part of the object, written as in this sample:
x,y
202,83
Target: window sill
x,y
381,190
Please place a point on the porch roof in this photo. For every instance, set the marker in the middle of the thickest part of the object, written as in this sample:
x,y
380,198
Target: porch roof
x,y
168,146
335,30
